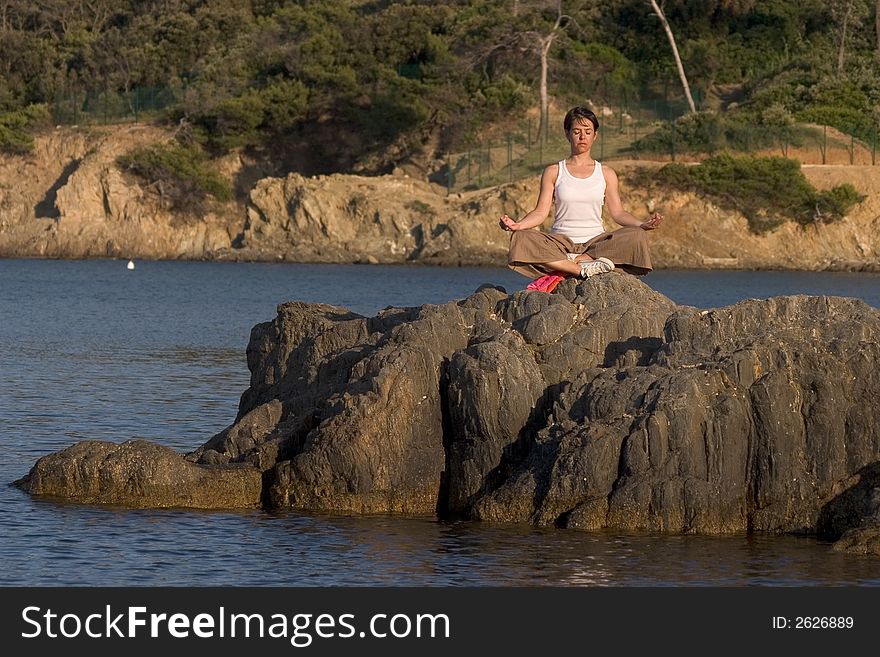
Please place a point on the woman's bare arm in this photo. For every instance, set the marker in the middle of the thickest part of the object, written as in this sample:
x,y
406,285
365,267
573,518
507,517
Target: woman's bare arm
x,y
542,208
615,207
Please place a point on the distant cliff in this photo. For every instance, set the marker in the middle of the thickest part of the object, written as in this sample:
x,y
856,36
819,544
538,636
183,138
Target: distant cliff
x,y
603,405
69,200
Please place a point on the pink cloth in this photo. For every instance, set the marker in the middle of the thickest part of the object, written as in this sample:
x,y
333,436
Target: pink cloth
x,y
546,283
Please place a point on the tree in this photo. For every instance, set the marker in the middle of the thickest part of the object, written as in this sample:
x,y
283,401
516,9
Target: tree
x,y
678,64
843,14
115,62
548,22
737,7
780,125
846,15
877,25
545,42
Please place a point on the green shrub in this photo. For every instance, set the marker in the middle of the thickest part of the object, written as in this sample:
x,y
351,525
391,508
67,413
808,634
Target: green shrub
x,y
677,176
284,104
767,190
739,130
420,207
181,174
232,123
694,133
16,127
13,140
252,118
812,93
849,120
836,202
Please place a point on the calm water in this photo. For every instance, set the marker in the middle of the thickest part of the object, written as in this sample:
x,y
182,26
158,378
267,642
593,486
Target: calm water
x,y
91,350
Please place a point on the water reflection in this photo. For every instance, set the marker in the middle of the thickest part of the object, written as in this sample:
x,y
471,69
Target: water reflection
x,y
87,545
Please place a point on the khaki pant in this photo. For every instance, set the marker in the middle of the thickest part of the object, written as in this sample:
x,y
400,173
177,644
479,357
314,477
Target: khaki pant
x,y
626,247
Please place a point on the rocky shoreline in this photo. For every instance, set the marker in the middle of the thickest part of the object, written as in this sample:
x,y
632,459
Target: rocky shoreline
x,y
602,405
70,200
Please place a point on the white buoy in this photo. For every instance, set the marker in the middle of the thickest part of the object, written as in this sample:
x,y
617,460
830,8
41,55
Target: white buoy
x,y
131,264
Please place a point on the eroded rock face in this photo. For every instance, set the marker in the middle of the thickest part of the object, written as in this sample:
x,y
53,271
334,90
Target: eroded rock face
x,y
603,405
746,418
69,199
378,219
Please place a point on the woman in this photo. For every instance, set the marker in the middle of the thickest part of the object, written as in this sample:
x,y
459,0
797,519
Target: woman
x,y
578,244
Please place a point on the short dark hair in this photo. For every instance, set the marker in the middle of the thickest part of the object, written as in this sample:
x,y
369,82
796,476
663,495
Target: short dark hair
x,y
577,114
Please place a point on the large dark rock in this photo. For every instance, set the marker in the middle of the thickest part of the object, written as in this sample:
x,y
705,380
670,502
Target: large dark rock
x,y
746,418
852,517
601,405
141,474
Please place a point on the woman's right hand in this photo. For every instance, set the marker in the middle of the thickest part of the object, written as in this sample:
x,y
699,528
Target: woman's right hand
x,y
653,222
507,223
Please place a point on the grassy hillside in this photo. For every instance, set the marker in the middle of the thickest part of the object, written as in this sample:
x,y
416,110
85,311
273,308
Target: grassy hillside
x,y
362,85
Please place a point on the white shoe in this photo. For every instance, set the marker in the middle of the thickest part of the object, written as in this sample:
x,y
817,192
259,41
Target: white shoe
x,y
597,266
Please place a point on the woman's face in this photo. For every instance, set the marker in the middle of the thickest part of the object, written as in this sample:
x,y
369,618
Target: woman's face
x,y
581,136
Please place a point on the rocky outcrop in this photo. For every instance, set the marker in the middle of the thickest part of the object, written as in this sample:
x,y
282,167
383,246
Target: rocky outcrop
x,y
69,200
384,219
394,219
143,475
864,539
746,418
854,513
603,405
698,234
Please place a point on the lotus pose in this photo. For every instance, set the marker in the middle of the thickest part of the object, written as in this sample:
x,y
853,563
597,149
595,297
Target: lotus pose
x,y
578,244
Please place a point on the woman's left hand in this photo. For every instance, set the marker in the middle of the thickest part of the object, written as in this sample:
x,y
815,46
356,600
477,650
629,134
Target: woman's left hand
x,y
653,222
507,223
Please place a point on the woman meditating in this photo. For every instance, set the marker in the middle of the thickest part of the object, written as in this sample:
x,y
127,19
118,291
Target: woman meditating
x,y
578,244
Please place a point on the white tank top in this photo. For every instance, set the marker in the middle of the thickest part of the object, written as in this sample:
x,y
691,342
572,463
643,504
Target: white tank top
x,y
579,204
